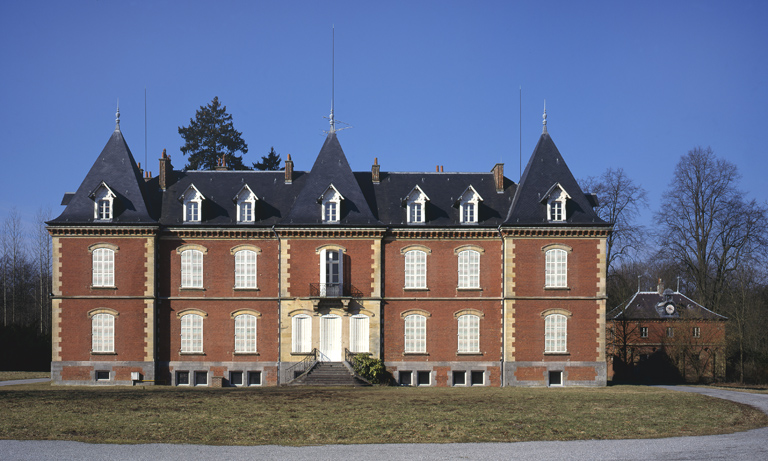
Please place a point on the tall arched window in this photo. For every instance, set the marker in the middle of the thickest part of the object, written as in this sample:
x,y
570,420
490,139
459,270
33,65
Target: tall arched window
x,y
555,333
469,333
245,333
103,267
301,334
245,269
415,334
192,333
191,269
556,268
415,269
103,333
358,333
469,269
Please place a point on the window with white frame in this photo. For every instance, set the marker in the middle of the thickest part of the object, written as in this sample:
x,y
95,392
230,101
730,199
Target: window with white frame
x,y
556,198
192,201
358,333
469,333
331,272
555,333
103,333
416,205
192,334
103,267
696,332
416,334
331,205
556,268
301,333
469,203
245,269
245,333
415,269
246,205
643,332
191,269
469,269
103,203
670,332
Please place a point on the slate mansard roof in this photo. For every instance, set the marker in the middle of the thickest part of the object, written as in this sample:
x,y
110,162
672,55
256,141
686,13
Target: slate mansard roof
x,y
650,305
364,203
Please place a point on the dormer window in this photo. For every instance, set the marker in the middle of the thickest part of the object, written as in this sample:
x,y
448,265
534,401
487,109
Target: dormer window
x,y
469,204
246,205
555,198
192,200
103,202
416,204
331,205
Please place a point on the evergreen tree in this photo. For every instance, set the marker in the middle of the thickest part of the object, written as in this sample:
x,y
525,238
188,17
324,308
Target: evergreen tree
x,y
210,135
269,162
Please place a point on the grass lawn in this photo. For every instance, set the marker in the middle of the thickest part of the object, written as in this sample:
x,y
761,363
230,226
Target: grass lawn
x,y
308,416
12,375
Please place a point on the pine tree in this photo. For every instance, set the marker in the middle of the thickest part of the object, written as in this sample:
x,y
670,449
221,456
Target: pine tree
x,y
269,162
210,135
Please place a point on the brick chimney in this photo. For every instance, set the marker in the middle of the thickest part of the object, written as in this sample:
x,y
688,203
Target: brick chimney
x,y
375,171
660,287
289,170
221,164
165,174
498,177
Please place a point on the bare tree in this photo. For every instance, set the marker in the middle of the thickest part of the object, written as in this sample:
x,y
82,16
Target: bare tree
x,y
43,263
15,253
707,225
621,201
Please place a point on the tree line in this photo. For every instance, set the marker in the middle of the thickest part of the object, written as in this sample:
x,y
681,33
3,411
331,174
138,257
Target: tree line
x,y
707,240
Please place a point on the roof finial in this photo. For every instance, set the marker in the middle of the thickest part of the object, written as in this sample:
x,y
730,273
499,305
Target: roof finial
x,y
333,129
117,116
544,118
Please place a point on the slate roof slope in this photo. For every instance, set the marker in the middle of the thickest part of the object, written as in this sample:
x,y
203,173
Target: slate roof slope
x,y
649,305
443,189
331,167
219,188
545,168
117,168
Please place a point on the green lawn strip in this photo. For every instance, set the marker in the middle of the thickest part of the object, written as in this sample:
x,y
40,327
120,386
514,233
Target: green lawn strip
x,y
310,416
13,375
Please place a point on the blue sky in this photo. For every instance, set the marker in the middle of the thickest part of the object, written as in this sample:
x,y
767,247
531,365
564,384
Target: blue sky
x,y
628,84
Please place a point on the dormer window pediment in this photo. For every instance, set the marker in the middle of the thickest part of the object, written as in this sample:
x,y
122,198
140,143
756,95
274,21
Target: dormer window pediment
x,y
246,205
469,205
192,200
103,202
556,198
416,204
331,204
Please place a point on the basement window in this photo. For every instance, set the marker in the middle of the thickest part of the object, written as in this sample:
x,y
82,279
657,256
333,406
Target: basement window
x,y
406,378
459,378
423,378
182,378
254,378
102,376
201,378
555,378
235,378
478,378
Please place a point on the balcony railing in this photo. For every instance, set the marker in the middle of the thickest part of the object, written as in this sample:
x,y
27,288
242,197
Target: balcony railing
x,y
334,290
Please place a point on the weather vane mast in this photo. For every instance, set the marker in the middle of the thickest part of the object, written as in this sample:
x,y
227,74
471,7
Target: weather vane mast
x,y
544,118
333,85
117,117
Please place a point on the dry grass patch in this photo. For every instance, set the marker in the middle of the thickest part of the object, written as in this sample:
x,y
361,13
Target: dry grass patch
x,y
308,416
14,375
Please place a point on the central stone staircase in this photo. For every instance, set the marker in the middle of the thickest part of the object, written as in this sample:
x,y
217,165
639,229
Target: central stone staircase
x,y
330,374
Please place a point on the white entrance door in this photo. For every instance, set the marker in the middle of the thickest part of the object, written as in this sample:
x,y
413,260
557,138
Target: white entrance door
x,y
330,339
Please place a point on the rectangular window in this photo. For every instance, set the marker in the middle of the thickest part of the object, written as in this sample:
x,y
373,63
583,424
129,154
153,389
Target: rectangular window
x,y
358,333
235,378
423,378
556,269
103,267
246,211
416,212
416,269
182,378
245,269
555,333
478,378
254,378
245,333
301,337
469,213
643,332
191,269
201,378
469,269
103,333
696,332
105,212
555,378
670,332
331,212
556,211
459,378
406,378
469,334
102,376
193,212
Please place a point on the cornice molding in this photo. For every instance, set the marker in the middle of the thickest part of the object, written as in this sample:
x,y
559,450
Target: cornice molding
x,y
102,231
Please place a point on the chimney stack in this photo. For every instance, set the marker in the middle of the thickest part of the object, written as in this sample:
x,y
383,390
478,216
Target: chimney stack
x,y
375,171
498,177
166,171
660,287
289,170
221,164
